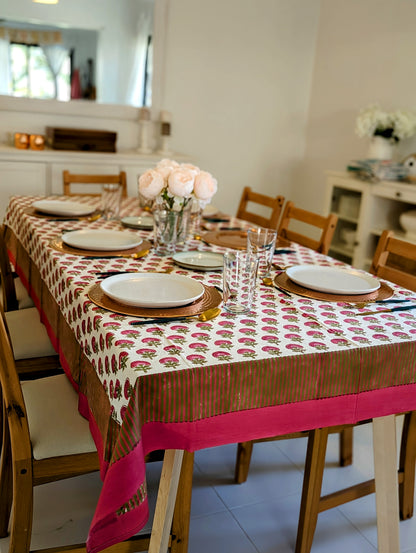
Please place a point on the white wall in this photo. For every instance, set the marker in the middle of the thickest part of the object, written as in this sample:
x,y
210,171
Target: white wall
x,y
238,77
364,55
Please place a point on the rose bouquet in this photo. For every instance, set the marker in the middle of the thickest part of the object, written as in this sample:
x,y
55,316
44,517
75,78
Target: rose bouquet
x,y
174,186
174,190
394,126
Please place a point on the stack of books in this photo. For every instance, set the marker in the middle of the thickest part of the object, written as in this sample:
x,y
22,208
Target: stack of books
x,y
375,170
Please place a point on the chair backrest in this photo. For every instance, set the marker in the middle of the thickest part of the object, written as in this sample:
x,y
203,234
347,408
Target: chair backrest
x,y
274,204
70,178
14,405
324,227
395,260
9,298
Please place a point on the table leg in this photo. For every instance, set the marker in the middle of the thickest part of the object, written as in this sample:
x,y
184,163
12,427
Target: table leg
x,y
385,473
165,504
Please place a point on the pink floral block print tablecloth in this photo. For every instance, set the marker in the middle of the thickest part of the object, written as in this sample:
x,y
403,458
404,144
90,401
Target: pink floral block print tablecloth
x,y
290,364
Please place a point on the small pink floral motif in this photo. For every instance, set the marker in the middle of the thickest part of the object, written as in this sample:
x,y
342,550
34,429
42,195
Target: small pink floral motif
x,y
226,324
227,344
247,352
401,335
381,337
355,330
180,328
271,349
248,331
292,328
295,347
146,352
151,341
128,389
173,350
271,339
293,337
318,345
176,339
141,365
248,322
171,362
197,346
340,342
124,343
269,320
196,359
361,339
225,333
247,341
201,336
222,355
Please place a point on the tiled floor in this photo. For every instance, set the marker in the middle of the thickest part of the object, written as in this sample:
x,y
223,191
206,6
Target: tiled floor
x,y
259,516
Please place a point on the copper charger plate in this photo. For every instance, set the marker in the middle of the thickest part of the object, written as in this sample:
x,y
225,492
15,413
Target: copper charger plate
x,y
139,251
235,239
284,282
35,213
209,299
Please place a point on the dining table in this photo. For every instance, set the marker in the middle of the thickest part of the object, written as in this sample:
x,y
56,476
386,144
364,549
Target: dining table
x,y
296,361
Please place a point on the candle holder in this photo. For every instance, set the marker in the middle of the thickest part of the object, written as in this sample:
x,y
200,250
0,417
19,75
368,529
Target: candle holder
x,y
144,131
164,145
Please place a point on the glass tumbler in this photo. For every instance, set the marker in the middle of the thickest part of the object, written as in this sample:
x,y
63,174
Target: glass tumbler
x,y
111,201
262,242
239,281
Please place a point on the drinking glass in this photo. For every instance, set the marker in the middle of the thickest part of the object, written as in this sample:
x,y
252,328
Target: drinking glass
x,y
165,226
239,281
111,201
262,242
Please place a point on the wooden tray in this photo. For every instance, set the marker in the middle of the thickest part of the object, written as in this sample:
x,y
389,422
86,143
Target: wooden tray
x,y
210,298
139,251
284,282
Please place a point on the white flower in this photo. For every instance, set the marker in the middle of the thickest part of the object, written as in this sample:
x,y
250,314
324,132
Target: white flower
x,y
395,126
181,183
205,186
166,166
151,184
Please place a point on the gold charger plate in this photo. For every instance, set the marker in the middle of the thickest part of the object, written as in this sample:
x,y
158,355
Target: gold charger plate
x,y
209,299
284,282
35,213
235,239
139,251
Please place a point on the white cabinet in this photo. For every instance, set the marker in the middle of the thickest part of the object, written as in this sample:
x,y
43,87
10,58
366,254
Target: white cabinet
x,y
364,210
30,172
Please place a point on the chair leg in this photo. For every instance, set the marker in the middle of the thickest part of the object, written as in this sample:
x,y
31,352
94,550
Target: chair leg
x,y
182,513
407,466
6,483
22,515
242,463
311,491
346,446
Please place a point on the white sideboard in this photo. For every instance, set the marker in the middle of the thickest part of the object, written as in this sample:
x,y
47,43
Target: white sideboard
x,y
365,209
40,172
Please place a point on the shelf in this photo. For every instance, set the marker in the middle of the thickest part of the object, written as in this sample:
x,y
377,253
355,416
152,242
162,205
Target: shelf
x,y
342,217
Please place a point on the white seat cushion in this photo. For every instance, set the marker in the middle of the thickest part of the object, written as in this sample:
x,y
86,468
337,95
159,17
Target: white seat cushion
x,y
22,295
55,425
28,335
23,299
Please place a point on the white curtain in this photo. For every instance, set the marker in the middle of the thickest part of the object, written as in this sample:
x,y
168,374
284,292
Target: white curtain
x,y
55,56
134,92
5,73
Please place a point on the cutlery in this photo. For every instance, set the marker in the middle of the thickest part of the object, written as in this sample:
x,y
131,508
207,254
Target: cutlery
x,y
270,282
204,316
112,273
360,305
119,255
216,219
282,251
391,310
59,219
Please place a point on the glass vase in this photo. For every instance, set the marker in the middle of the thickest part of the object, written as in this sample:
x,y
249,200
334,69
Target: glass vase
x,y
171,229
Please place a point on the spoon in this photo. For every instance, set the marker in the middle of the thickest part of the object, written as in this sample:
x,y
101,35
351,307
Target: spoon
x,y
269,282
204,316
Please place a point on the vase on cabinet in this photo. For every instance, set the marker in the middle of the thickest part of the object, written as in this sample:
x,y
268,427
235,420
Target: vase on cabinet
x,y
380,148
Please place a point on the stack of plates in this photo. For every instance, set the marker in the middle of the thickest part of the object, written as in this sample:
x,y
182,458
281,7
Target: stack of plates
x,y
144,222
199,261
62,208
152,290
333,280
101,240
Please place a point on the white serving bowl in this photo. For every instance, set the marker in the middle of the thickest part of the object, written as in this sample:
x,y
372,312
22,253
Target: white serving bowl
x,y
408,223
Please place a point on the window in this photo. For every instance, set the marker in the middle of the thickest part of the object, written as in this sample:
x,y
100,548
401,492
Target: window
x,y
32,75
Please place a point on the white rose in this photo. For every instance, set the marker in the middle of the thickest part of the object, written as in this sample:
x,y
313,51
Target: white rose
x,y
166,166
151,184
181,183
205,186
192,168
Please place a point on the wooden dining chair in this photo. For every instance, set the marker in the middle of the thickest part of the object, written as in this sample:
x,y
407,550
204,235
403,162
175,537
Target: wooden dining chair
x,y
71,178
394,260
44,440
13,294
307,228
273,205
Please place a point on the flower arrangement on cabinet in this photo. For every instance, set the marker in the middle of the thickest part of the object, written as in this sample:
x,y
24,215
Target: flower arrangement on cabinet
x,y
174,186
393,126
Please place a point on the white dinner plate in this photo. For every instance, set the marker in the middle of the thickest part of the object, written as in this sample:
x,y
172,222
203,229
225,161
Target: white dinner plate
x,y
209,210
333,280
140,222
101,240
202,261
152,289
58,207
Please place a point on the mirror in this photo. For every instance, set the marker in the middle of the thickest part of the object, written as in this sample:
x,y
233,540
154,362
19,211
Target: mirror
x,y
108,47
